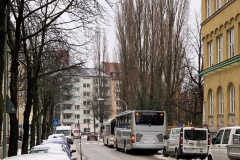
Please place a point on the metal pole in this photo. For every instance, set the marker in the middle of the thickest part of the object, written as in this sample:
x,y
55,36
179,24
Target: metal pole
x,y
5,88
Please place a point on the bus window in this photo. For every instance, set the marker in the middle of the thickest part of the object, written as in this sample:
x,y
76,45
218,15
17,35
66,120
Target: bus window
x,y
149,118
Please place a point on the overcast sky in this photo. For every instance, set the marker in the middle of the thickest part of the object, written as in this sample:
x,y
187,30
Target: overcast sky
x,y
195,6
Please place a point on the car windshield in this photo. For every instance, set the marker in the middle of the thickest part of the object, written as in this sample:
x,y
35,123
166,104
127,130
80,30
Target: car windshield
x,y
195,134
65,132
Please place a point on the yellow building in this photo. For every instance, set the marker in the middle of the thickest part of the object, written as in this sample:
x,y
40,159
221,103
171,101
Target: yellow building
x,y
221,41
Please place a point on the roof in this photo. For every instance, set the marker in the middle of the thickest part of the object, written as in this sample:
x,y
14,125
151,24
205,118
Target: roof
x,y
87,72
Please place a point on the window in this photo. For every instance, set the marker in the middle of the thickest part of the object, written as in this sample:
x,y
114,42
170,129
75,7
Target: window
x,y
232,99
114,74
77,98
118,103
86,129
117,86
220,49
218,137
77,89
231,43
221,106
86,111
86,103
77,80
86,120
85,85
67,98
77,116
211,104
210,53
117,95
218,4
77,107
226,136
209,8
86,93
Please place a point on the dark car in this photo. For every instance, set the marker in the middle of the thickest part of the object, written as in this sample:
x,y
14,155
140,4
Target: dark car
x,y
92,135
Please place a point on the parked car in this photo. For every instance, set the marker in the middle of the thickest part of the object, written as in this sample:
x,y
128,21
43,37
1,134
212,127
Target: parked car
x,y
122,139
60,141
46,156
92,135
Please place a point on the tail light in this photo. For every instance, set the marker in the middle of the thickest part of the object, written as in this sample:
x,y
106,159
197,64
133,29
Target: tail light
x,y
209,141
133,138
181,140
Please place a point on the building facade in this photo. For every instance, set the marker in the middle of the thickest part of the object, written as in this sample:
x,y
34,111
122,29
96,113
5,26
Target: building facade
x,y
78,106
114,71
221,38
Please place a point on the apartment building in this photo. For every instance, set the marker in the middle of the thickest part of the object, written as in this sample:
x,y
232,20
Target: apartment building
x,y
79,104
114,71
221,38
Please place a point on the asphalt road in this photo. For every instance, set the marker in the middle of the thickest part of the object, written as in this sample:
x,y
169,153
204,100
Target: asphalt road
x,y
95,150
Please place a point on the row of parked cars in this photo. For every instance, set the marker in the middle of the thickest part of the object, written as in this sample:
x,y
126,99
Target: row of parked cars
x,y
191,142
56,147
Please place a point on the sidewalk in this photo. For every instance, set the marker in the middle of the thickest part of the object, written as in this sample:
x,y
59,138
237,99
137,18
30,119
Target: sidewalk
x,y
1,149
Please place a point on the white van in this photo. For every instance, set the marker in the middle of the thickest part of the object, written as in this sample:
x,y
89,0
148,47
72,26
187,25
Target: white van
x,y
220,143
189,142
76,133
67,131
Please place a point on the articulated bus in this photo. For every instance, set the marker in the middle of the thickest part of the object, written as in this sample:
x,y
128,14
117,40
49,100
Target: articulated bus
x,y
108,132
146,130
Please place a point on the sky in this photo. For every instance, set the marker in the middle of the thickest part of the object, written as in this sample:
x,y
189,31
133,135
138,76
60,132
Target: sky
x,y
195,5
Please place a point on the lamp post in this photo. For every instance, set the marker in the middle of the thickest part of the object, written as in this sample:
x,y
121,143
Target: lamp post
x,y
101,99
123,102
54,109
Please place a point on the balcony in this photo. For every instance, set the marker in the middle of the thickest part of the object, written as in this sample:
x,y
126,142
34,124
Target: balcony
x,y
68,121
68,111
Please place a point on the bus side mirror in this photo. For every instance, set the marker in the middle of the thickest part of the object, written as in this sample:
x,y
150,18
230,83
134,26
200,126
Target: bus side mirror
x,y
165,137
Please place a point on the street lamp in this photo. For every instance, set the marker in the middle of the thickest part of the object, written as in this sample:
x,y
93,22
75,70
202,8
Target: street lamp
x,y
101,99
123,102
54,109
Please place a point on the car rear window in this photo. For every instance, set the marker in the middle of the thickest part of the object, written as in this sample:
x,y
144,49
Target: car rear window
x,y
195,134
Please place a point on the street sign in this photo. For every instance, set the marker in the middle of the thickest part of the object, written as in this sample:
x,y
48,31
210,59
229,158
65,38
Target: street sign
x,y
55,122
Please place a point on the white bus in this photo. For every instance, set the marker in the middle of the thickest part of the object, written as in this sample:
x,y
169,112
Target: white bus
x,y
108,132
146,130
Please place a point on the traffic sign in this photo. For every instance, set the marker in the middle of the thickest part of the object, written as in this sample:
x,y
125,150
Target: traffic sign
x,y
55,122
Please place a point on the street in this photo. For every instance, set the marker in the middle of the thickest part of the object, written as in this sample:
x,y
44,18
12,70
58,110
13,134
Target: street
x,y
95,150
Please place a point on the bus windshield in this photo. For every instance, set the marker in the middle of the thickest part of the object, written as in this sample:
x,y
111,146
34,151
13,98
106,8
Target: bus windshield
x,y
149,118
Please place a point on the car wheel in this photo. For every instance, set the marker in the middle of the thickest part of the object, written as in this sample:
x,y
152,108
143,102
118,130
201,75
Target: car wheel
x,y
165,152
210,158
176,154
203,157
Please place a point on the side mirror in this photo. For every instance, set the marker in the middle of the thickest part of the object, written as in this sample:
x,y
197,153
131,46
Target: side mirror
x,y
213,140
165,137
74,150
72,134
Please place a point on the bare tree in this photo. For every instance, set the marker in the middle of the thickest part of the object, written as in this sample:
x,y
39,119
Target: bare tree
x,y
49,14
152,51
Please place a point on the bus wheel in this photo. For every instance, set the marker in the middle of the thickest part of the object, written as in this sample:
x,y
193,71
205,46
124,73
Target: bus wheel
x,y
117,148
125,148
